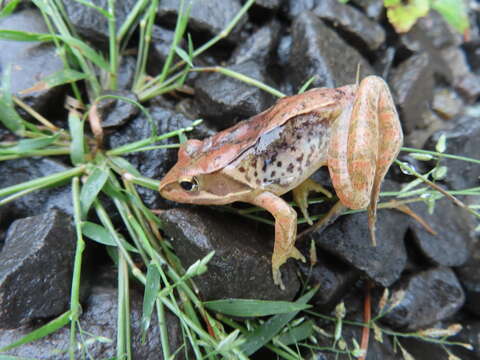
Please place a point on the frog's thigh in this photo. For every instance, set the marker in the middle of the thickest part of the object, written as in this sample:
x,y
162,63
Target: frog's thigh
x,y
300,195
285,231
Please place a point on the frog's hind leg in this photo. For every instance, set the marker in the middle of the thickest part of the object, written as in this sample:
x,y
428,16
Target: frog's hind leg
x,y
365,140
300,196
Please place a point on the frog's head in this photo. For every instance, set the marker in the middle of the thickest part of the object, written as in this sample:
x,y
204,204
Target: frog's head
x,y
190,182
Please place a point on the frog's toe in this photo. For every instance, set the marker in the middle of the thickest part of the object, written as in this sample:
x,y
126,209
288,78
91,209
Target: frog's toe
x,y
300,196
297,255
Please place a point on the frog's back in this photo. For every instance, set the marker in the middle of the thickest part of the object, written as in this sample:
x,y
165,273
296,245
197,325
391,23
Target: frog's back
x,y
221,149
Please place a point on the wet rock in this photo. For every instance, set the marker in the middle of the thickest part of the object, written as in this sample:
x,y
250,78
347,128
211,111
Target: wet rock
x,y
126,72
161,41
319,51
99,318
225,100
296,7
259,46
271,5
207,16
429,33
13,172
472,52
349,239
454,228
470,334
351,20
333,277
469,276
373,8
36,269
283,50
446,103
153,163
430,296
91,24
466,82
116,112
30,62
241,267
461,140
412,87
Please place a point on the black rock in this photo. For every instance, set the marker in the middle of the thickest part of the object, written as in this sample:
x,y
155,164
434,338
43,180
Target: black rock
x,y
91,24
36,266
14,172
351,20
153,163
470,334
225,100
373,8
349,239
241,267
126,72
472,52
259,46
464,80
461,140
296,7
333,277
454,228
116,112
469,276
271,5
318,51
412,86
30,62
430,296
447,103
206,16
99,318
161,42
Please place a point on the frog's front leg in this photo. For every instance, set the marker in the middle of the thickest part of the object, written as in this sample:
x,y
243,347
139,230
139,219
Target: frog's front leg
x,y
365,139
300,196
285,231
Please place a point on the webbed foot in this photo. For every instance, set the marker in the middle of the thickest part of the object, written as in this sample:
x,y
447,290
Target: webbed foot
x,y
300,196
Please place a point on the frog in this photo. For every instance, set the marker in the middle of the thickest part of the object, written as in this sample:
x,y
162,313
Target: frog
x,y
354,130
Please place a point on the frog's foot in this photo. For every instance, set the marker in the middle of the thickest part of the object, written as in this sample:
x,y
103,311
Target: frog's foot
x,y
278,259
300,196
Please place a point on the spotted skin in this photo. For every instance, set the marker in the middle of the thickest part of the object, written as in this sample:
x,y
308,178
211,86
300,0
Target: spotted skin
x,y
354,130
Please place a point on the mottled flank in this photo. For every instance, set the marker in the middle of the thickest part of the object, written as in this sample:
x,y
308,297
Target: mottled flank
x,y
283,161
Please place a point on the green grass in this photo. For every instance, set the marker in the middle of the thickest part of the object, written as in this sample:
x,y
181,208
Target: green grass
x,y
285,328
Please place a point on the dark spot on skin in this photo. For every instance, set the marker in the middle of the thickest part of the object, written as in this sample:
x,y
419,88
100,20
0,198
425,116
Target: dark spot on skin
x,y
283,174
279,163
265,180
255,173
272,174
264,167
257,181
300,158
241,169
299,136
290,168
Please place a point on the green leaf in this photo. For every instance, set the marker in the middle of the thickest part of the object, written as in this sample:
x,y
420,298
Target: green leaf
x,y
264,333
65,76
183,54
93,6
41,332
8,115
404,15
29,145
15,35
454,12
297,334
250,307
101,235
441,144
77,146
152,287
86,51
9,8
91,188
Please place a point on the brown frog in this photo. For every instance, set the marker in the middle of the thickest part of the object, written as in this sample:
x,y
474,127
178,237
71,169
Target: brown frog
x,y
354,130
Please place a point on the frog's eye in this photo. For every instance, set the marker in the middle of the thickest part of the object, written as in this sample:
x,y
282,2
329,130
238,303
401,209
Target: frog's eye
x,y
189,184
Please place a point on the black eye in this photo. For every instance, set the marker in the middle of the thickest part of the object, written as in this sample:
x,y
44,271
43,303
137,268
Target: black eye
x,y
189,185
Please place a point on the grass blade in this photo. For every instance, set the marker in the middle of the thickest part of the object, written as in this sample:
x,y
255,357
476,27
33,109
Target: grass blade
x,y
86,51
264,333
41,332
152,287
65,76
92,187
15,35
250,307
101,235
297,334
29,145
9,116
77,145
9,8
